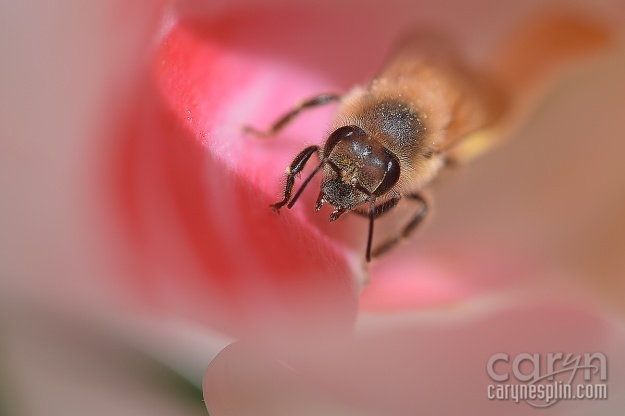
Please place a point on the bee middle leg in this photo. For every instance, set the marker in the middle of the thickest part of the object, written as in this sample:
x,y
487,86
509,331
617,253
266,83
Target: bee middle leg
x,y
290,116
376,211
408,228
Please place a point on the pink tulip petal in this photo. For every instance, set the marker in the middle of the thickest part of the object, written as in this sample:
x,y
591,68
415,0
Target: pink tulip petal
x,y
212,76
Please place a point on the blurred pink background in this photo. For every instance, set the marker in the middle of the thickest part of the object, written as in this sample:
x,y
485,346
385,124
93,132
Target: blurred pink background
x,y
93,298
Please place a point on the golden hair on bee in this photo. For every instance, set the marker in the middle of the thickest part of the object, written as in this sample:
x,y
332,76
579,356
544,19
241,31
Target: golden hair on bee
x,y
423,102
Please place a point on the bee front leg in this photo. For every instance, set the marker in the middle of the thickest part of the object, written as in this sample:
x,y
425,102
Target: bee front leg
x,y
290,116
291,171
408,228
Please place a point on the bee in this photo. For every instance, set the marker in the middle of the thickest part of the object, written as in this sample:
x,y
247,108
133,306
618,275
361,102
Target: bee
x,y
390,138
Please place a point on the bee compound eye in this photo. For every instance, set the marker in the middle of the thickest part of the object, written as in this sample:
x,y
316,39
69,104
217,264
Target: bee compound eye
x,y
391,176
340,134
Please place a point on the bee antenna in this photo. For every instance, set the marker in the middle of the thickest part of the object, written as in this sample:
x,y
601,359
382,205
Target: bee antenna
x,y
370,238
306,182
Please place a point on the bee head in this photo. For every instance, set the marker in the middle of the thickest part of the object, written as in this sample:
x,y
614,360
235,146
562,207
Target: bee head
x,y
357,169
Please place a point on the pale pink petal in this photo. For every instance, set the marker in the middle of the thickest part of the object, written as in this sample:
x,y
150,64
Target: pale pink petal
x,y
423,366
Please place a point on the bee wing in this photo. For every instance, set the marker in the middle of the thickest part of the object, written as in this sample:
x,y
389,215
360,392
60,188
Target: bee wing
x,y
456,99
523,67
486,104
